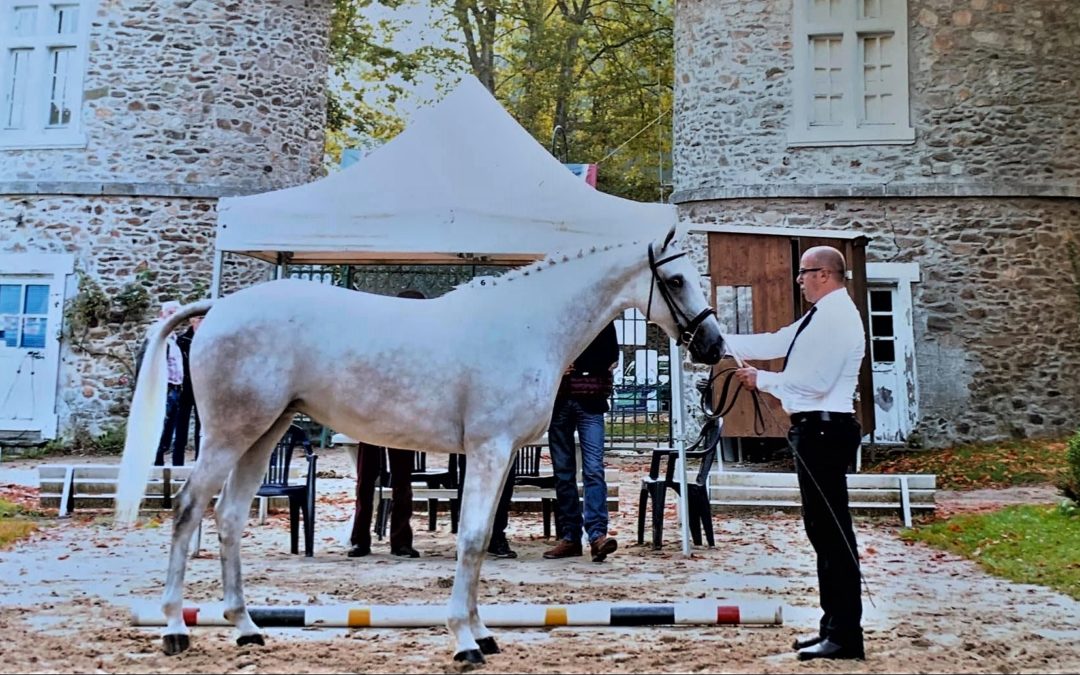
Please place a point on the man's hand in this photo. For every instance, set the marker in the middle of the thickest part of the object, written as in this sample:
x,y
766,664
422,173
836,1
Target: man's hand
x,y
747,377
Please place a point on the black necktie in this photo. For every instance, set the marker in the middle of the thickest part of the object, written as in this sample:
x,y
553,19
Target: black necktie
x,y
802,327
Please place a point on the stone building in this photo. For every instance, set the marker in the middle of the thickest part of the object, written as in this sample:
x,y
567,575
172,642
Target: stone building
x,y
121,124
948,132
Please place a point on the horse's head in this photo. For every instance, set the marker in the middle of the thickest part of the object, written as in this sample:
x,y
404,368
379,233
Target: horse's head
x,y
678,305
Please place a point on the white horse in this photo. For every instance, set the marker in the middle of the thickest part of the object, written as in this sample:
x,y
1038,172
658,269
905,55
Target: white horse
x,y
474,371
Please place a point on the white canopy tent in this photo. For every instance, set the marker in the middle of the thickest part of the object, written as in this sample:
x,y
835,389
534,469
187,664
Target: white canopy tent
x,y
464,182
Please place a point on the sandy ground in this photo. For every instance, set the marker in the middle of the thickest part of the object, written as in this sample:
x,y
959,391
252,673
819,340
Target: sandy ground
x,y
66,594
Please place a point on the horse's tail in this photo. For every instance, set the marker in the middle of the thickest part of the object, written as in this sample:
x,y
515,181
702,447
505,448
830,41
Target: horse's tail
x,y
147,415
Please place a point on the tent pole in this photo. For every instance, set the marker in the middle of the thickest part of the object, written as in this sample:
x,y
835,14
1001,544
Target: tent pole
x,y
675,370
215,278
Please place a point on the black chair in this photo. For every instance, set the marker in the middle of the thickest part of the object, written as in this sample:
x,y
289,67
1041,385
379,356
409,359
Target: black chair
x,y
654,487
527,466
301,495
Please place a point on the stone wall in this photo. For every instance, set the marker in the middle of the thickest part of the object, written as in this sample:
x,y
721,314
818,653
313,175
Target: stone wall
x,y
209,93
997,321
993,90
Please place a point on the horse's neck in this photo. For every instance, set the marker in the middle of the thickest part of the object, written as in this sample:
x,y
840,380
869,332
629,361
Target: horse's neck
x,y
582,295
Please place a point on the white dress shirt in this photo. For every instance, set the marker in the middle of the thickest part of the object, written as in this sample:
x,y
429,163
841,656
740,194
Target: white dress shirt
x,y
823,367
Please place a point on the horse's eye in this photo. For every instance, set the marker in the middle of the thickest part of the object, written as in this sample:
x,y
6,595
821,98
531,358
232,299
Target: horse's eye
x,y
675,281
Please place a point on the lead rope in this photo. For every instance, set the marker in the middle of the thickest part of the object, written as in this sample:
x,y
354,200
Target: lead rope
x,y
725,405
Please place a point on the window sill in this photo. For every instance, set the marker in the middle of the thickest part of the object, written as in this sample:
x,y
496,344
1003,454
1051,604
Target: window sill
x,y
846,137
42,141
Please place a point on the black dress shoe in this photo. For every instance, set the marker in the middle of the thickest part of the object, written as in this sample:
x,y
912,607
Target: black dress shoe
x,y
359,551
827,649
808,641
405,552
501,549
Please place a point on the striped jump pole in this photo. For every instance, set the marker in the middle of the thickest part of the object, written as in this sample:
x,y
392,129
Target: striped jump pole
x,y
693,612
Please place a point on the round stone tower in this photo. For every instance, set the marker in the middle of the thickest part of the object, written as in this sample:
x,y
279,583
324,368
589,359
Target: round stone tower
x,y
121,125
950,135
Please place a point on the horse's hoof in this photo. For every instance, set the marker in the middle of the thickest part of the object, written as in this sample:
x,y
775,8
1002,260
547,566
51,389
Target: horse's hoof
x,y
472,656
175,643
487,645
253,639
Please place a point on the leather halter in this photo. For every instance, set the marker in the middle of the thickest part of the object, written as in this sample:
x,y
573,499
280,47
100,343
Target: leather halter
x,y
686,327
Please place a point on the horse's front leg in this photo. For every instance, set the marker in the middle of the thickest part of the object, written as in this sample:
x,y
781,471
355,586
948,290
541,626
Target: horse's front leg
x,y
191,504
488,467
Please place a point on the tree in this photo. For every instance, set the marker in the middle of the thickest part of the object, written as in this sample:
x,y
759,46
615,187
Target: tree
x,y
371,75
602,70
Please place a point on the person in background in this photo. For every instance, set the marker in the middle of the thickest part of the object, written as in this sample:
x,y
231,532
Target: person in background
x,y
369,466
580,405
175,360
187,397
499,545
822,352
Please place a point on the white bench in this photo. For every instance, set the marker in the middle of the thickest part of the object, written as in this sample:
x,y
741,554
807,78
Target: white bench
x,y
67,487
905,492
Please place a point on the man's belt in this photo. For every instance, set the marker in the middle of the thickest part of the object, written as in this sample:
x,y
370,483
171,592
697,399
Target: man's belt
x,y
821,416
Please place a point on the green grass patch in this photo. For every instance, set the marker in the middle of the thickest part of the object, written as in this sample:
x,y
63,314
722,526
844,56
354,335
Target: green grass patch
x,y
982,465
14,524
1026,544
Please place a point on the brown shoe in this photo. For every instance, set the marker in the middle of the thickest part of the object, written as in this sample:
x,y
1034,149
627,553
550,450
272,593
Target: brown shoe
x,y
603,547
564,549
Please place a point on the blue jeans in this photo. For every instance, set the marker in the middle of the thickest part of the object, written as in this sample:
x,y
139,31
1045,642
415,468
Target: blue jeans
x,y
567,417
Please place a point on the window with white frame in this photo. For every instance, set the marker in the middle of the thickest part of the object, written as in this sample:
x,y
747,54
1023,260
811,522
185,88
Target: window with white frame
x,y
42,46
851,75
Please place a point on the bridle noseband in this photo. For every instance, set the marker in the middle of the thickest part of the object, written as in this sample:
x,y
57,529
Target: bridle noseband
x,y
687,327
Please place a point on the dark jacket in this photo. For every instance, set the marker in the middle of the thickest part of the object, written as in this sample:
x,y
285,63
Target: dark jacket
x,y
590,383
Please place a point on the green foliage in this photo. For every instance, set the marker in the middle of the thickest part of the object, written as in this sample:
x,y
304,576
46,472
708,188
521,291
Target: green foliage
x,y
1027,544
603,72
14,525
981,465
132,302
89,308
1070,481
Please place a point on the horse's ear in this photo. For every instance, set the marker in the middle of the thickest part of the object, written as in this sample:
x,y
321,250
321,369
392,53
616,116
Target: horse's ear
x,y
668,238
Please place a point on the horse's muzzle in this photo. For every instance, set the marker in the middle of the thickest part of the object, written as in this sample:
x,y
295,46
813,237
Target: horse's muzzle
x,y
707,355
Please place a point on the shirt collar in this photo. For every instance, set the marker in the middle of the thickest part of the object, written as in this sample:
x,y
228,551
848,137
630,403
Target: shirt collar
x,y
831,297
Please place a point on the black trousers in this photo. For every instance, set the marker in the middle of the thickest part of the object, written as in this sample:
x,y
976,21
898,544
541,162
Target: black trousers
x,y
823,452
368,467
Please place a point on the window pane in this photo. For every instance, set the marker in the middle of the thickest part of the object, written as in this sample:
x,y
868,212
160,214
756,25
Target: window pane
x,y
10,330
880,301
16,82
33,336
10,297
37,299
23,18
65,19
881,326
884,351
871,9
60,61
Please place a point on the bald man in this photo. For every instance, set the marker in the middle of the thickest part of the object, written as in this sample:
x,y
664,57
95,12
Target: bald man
x,y
822,353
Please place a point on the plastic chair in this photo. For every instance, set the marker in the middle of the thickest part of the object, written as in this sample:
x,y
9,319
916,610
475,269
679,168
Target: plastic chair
x,y
527,466
654,487
302,495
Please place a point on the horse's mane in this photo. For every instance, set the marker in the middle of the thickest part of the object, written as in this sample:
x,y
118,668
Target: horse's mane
x,y
537,267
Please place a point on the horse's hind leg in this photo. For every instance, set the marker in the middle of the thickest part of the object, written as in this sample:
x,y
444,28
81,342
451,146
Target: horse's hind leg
x,y
231,515
205,480
488,468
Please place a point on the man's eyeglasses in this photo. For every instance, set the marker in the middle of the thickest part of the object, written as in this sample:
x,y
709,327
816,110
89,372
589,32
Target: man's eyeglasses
x,y
808,270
